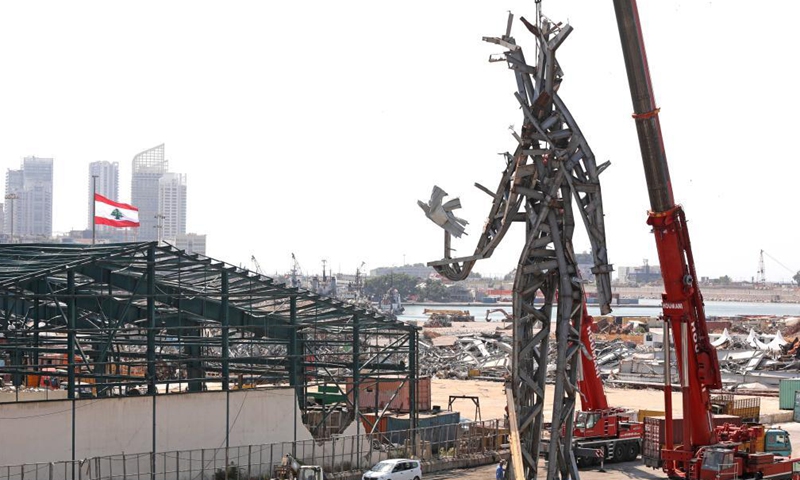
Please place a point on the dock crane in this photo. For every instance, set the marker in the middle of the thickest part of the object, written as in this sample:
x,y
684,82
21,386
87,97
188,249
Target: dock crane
x,y
256,264
295,279
705,452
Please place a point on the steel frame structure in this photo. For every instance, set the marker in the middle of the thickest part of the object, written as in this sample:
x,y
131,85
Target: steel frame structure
x,y
551,166
151,318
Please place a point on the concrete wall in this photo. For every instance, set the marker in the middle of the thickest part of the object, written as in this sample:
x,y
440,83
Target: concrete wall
x,y
42,431
32,395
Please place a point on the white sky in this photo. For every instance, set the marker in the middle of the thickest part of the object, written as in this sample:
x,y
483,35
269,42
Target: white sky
x,y
313,127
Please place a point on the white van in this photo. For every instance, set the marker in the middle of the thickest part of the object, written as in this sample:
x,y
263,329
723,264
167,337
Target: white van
x,y
394,469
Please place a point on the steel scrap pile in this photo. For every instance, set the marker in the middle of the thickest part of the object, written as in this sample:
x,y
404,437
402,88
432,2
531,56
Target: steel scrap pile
x,y
486,355
758,359
747,359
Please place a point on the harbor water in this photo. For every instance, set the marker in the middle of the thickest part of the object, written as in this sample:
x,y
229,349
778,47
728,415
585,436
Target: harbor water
x,y
645,308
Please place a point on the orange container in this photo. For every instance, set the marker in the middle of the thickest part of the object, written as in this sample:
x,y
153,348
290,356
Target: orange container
x,y
378,393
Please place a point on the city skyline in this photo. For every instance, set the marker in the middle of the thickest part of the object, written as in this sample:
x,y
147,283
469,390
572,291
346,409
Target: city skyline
x,y
29,189
395,116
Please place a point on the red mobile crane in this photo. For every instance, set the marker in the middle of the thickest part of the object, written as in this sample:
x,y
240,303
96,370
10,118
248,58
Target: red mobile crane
x,y
598,426
705,452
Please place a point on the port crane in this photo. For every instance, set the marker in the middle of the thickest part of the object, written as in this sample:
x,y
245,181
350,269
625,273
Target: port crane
x,y
295,279
256,264
761,278
705,452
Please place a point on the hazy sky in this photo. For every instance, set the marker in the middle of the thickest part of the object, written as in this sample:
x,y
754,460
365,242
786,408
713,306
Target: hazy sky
x,y
313,127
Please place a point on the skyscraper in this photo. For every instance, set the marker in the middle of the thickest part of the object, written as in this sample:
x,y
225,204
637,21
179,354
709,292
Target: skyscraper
x,y
107,184
148,167
32,202
172,206
13,203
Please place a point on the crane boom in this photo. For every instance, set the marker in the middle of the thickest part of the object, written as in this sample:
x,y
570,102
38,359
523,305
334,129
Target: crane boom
x,y
682,305
593,397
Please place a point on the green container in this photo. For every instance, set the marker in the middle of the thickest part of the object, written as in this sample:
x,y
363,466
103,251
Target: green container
x,y
796,415
786,393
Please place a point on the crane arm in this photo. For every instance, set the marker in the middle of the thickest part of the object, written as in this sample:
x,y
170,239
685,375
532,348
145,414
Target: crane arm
x,y
698,366
593,397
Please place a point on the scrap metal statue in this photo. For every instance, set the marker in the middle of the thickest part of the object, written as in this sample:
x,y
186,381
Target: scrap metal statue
x,y
551,166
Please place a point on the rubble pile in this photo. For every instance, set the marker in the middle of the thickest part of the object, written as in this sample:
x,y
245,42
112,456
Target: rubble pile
x,y
747,359
485,355
452,315
628,354
438,321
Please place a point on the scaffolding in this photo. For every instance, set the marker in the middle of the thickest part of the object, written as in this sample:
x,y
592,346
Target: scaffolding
x,y
147,319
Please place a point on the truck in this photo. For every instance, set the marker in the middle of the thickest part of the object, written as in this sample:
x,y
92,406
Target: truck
x,y
773,440
703,450
291,469
600,431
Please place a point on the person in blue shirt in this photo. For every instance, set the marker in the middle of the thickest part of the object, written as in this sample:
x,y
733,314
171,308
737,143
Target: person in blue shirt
x,y
500,473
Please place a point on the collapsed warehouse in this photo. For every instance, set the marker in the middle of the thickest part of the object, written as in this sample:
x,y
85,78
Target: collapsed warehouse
x,y
144,320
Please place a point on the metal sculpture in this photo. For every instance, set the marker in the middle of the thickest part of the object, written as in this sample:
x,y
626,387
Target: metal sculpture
x,y
551,165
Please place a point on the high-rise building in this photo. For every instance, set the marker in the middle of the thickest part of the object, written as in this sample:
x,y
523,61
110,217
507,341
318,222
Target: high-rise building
x,y
37,201
191,243
14,185
148,168
172,206
107,184
29,192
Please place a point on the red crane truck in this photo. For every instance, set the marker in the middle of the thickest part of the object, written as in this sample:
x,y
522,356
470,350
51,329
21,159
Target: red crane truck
x,y
705,451
608,431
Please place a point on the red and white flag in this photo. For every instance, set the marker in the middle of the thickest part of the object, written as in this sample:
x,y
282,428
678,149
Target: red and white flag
x,y
114,214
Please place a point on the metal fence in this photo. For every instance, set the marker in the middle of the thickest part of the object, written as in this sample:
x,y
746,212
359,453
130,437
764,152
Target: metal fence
x,y
258,462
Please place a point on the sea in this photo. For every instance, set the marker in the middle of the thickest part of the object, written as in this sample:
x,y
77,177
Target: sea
x,y
645,308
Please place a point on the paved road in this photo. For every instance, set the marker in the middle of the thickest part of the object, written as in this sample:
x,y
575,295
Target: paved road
x,y
615,471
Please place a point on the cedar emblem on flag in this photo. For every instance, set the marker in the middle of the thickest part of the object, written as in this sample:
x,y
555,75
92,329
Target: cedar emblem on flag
x,y
114,214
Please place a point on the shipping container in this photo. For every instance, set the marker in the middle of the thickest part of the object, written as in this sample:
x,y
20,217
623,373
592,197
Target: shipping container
x,y
796,406
327,395
368,420
786,392
748,409
655,438
644,413
377,393
441,429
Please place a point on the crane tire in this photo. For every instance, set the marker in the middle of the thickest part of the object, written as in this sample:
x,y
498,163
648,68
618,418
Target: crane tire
x,y
631,451
619,452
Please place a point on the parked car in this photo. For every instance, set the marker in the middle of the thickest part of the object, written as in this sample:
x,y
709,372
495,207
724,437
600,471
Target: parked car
x,y
394,469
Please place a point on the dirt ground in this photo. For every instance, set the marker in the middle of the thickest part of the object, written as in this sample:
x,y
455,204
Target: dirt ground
x,y
493,401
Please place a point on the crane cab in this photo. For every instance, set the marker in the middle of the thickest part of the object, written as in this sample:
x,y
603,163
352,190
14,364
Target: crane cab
x,y
718,464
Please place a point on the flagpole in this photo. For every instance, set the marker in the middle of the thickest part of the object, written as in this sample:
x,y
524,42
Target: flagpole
x,y
94,206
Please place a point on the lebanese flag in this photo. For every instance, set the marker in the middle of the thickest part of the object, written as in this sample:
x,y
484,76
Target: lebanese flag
x,y
111,213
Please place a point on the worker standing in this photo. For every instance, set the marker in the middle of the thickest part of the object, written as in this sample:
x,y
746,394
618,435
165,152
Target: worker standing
x,y
500,473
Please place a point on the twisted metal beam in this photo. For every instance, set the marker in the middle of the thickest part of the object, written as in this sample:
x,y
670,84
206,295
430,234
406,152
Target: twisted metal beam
x,y
551,173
